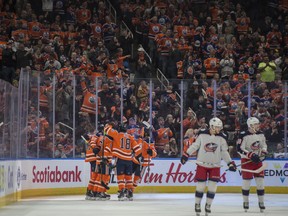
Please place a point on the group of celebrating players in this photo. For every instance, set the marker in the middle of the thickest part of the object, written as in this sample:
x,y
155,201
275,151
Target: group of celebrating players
x,y
128,151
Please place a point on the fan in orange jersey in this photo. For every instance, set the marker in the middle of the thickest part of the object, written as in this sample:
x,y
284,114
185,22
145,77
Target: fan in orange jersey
x,y
83,14
89,101
34,29
96,27
211,64
242,23
92,150
43,128
124,146
112,68
45,93
163,135
189,138
140,164
104,161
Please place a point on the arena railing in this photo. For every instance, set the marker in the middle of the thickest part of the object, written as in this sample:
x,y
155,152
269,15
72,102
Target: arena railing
x,y
111,10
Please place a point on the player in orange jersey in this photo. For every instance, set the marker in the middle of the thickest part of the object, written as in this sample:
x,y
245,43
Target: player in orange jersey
x,y
103,161
124,146
140,164
91,151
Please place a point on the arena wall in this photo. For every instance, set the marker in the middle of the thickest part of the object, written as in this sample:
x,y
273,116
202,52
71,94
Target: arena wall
x,y
30,178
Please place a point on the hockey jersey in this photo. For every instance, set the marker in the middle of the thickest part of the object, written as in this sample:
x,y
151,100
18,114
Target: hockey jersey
x,y
89,102
124,145
105,144
145,144
211,149
92,143
163,137
248,142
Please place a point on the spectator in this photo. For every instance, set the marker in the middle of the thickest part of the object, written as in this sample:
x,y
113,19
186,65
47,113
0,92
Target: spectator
x,y
164,134
166,152
279,151
267,70
23,56
227,64
273,133
143,67
8,63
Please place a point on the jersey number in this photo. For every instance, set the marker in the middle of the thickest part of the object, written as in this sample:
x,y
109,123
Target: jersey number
x,y
125,143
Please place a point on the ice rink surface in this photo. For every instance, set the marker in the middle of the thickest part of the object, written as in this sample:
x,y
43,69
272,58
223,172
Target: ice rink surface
x,y
144,205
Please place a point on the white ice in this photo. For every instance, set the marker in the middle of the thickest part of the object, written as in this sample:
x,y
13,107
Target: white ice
x,y
144,205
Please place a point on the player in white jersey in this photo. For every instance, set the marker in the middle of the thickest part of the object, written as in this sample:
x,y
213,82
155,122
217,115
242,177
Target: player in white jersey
x,y
212,148
251,145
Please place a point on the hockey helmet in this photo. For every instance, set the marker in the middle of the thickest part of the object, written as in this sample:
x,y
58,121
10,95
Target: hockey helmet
x,y
215,122
251,121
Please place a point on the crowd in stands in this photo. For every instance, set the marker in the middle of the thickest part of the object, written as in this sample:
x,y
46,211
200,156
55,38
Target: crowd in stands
x,y
67,42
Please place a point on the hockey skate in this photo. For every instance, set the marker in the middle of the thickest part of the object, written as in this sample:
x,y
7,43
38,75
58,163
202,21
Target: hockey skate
x,y
246,206
96,195
197,209
261,206
129,195
207,209
121,195
104,196
89,195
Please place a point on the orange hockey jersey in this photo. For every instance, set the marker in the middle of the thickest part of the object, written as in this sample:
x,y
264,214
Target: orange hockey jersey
x,y
211,65
163,137
123,145
89,101
144,147
106,149
92,143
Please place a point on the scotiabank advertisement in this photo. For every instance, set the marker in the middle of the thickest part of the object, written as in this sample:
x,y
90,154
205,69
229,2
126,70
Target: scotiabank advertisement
x,y
54,173
75,173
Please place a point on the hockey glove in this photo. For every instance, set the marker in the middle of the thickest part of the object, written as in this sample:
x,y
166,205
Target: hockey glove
x,y
96,151
184,159
149,152
104,161
263,155
232,166
254,157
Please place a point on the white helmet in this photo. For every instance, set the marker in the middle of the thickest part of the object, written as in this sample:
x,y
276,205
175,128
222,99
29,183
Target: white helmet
x,y
251,121
216,122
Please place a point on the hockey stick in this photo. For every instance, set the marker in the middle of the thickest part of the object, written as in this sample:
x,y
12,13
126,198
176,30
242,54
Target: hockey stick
x,y
85,140
148,167
241,164
102,183
65,125
103,164
260,169
207,163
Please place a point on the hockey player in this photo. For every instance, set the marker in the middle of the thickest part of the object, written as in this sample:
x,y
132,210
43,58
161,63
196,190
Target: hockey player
x,y
252,147
212,147
123,147
91,151
103,161
140,164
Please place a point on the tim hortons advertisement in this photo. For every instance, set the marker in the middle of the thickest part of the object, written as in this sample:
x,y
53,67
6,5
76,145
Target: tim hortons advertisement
x,y
76,173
